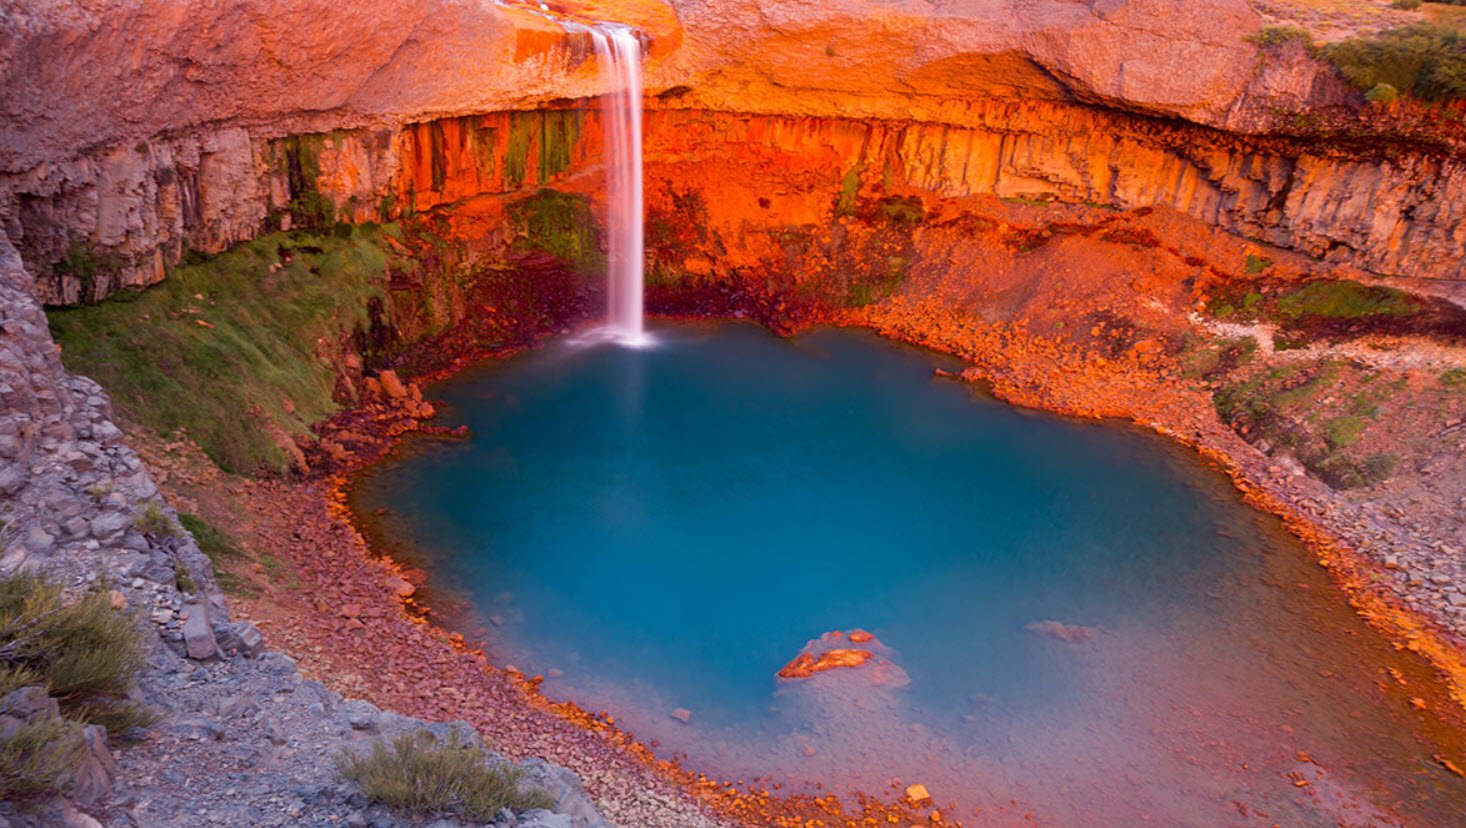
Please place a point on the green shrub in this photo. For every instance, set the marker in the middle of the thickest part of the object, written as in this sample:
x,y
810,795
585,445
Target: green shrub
x,y
1276,37
154,520
1382,94
35,756
1424,60
83,651
422,776
1257,264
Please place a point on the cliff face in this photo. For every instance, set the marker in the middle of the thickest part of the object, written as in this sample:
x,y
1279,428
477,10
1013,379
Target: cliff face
x,y
176,128
119,217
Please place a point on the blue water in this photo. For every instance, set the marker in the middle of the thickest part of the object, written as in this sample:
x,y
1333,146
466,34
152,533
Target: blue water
x,y
666,528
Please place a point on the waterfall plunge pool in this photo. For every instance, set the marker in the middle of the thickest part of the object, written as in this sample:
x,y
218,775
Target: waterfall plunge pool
x,y
1076,623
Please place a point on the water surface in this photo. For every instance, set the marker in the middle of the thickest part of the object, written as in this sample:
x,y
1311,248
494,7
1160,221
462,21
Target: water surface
x,y
665,528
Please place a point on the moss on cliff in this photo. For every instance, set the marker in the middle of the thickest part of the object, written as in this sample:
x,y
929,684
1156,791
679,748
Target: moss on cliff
x,y
297,157
546,136
236,349
560,224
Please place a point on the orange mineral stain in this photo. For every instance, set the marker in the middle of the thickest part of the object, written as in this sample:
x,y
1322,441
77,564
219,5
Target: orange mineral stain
x,y
805,665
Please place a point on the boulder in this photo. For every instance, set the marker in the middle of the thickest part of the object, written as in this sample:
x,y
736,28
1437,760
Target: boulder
x,y
91,781
392,385
198,636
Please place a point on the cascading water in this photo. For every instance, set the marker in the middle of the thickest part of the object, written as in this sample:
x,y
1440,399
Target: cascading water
x,y
619,54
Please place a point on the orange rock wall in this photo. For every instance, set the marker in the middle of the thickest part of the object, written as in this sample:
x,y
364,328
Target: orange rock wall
x,y
744,183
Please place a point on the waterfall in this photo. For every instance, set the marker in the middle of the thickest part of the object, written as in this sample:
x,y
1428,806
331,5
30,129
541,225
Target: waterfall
x,y
618,53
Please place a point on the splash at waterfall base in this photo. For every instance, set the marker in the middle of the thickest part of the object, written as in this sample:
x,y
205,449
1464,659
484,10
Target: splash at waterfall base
x,y
430,673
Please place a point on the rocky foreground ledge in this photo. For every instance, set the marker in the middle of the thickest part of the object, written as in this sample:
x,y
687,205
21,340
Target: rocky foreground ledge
x,y
243,738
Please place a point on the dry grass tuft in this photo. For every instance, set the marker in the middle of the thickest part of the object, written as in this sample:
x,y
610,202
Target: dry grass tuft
x,y
418,774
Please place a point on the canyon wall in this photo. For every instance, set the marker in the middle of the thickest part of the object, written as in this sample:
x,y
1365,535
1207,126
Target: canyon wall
x,y
120,217
175,129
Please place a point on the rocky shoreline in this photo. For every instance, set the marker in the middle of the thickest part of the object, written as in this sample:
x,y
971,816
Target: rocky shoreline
x,y
1408,588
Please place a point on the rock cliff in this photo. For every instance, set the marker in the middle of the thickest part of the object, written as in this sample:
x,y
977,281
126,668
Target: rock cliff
x,y
177,128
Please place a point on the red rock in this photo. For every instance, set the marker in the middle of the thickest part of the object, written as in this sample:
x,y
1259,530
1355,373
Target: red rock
x,y
805,665
392,385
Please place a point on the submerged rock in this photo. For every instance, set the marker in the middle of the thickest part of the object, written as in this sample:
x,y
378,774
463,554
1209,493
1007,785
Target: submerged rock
x,y
1071,633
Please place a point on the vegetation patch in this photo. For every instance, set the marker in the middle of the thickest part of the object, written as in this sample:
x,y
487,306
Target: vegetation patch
x,y
423,777
1327,307
849,189
1205,359
1424,60
1277,37
551,135
560,224
35,757
1342,299
298,157
82,650
1321,413
237,349
219,548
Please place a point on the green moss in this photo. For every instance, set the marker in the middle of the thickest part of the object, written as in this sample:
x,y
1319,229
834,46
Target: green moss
x,y
227,367
298,157
902,211
1040,201
1256,264
849,188
559,133
1454,378
485,143
1343,299
1306,392
554,132
1343,432
560,224
437,155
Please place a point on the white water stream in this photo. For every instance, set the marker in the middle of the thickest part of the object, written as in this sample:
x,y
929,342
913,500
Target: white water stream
x,y
619,54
